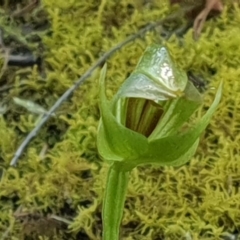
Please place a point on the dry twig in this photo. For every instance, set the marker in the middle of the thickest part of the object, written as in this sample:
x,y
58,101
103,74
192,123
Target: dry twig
x,y
202,16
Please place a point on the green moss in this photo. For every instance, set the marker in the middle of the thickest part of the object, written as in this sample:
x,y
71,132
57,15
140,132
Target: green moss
x,y
201,199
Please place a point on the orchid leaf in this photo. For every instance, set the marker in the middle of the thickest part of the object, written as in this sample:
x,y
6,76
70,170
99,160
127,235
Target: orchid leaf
x,y
168,150
113,138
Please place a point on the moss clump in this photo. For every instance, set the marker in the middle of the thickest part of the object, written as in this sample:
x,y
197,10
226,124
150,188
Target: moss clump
x,y
58,194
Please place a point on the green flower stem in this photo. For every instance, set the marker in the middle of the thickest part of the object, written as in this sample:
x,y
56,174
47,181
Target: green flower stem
x,y
113,205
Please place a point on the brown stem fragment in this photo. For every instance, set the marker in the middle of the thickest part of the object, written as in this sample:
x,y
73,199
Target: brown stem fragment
x,y
202,16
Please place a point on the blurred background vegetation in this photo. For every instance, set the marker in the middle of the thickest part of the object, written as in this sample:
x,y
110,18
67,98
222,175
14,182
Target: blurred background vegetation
x,y
56,190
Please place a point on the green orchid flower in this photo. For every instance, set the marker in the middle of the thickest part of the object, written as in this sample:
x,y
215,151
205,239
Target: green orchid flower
x,y
143,124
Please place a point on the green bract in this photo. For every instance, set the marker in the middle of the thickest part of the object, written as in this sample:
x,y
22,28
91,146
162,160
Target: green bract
x,y
142,123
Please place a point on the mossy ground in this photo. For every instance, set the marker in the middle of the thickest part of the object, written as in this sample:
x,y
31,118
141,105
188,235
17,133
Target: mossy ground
x,y
58,195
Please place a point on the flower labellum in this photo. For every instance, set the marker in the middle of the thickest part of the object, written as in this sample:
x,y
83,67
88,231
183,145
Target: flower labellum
x,y
142,123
